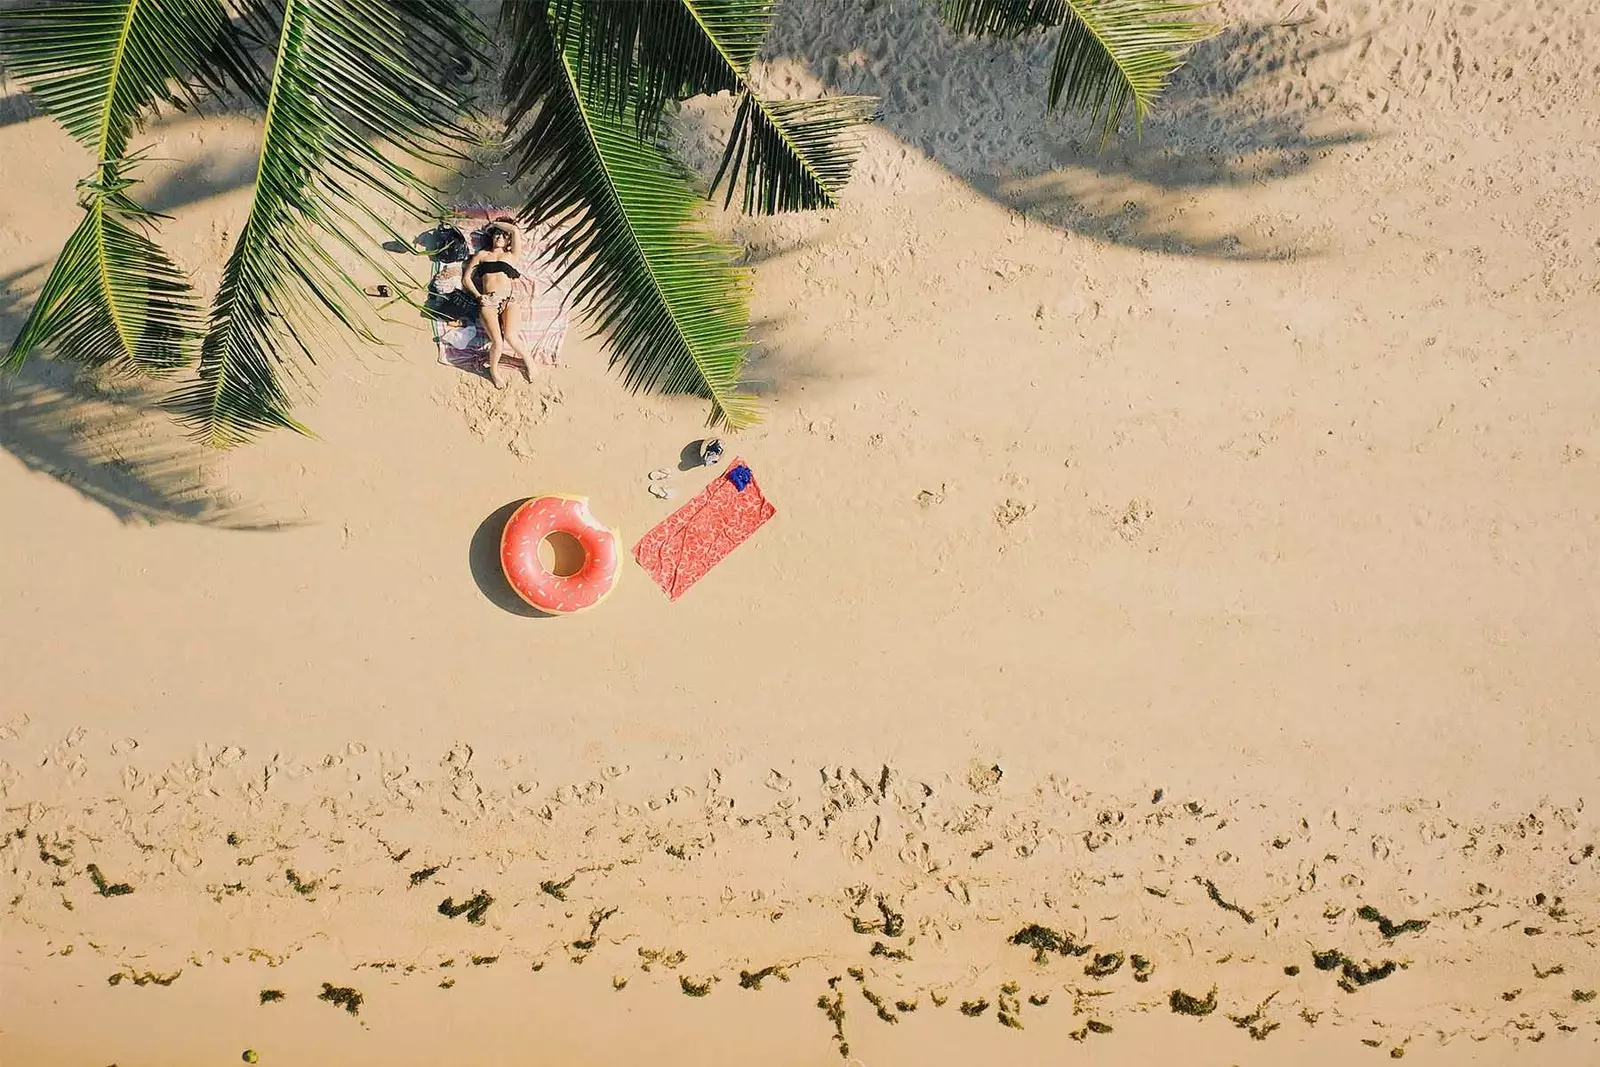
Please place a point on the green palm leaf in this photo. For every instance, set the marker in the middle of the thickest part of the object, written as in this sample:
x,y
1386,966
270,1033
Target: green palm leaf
x,y
113,297
1001,18
1112,55
1117,54
667,291
636,55
101,68
355,95
796,154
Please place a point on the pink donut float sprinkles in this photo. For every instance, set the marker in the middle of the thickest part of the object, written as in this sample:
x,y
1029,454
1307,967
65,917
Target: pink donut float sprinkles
x,y
574,584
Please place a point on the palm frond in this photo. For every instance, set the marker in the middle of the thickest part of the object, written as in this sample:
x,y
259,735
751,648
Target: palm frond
x,y
1117,54
355,95
113,297
1001,18
667,292
101,67
796,154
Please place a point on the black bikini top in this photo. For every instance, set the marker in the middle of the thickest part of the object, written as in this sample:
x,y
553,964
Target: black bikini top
x,y
496,267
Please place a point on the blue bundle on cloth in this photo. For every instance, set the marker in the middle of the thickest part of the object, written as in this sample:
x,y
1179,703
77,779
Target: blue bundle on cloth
x,y
740,477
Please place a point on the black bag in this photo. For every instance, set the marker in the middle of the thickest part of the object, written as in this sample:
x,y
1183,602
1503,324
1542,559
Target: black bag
x,y
457,306
450,245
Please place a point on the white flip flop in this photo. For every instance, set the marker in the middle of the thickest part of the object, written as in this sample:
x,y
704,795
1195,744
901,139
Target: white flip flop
x,y
660,474
661,491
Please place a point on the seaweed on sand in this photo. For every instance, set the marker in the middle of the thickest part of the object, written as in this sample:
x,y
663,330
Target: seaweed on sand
x,y
270,996
1257,1023
1044,940
420,876
558,889
1142,968
691,988
143,978
880,949
753,979
1104,965
304,888
878,1005
579,950
974,1008
1184,1004
341,997
1226,905
484,961
50,857
833,1007
1010,1007
105,888
894,923
1352,975
473,908
1584,996
1388,928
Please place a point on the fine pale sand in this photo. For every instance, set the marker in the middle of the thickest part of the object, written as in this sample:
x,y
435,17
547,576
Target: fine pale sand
x,y
1182,596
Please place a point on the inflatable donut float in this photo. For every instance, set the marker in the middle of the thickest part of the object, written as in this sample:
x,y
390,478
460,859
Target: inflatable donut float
x,y
586,559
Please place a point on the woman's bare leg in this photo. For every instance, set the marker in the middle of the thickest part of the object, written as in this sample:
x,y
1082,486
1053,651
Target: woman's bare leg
x,y
510,327
491,326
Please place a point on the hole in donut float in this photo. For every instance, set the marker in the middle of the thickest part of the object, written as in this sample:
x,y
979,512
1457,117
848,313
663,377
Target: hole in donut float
x,y
562,554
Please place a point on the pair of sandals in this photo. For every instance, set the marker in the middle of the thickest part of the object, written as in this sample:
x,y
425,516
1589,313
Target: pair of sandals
x,y
711,452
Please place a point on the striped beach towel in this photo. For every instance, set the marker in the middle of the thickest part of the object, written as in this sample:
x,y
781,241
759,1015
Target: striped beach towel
x,y
544,303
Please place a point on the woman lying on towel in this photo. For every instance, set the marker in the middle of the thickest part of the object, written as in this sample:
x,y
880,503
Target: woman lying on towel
x,y
490,277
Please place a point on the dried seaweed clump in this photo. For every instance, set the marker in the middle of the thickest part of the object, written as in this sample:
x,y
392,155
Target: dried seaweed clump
x,y
103,887
473,908
1256,1023
974,1008
753,979
1184,1004
833,1007
1044,940
691,988
1352,975
1104,965
1388,928
341,997
420,876
1142,968
271,996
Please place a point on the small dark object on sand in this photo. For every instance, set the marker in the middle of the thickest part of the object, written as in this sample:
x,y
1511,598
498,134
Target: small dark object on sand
x,y
271,996
1584,996
692,988
418,877
1044,940
1184,1004
1387,928
894,924
341,997
753,979
1354,976
1225,905
1098,1027
880,949
472,908
711,452
104,888
1104,965
558,889
1142,968
1292,970
1327,961
974,1008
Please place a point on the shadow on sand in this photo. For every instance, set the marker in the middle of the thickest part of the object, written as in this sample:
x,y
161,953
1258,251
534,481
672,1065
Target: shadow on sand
x,y
483,559
105,437
978,108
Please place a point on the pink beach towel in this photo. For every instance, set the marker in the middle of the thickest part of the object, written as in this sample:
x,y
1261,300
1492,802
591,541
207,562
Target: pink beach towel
x,y
684,546
544,318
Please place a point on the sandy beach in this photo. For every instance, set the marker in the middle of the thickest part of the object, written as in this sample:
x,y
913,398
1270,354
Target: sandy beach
x,y
1175,641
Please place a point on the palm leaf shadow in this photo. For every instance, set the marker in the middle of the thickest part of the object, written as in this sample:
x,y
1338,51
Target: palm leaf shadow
x,y
977,107
103,437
